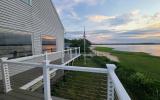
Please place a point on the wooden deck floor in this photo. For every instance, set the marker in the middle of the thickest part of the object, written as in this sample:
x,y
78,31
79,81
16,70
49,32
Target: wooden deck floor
x,y
24,95
21,79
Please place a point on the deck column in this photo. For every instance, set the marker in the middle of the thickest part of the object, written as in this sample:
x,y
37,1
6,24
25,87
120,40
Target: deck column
x,y
46,79
5,75
110,91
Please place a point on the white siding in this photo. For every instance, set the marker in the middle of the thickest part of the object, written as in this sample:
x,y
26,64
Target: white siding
x,y
40,18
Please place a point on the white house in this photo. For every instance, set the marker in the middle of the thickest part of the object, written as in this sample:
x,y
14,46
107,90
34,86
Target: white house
x,y
24,24
34,19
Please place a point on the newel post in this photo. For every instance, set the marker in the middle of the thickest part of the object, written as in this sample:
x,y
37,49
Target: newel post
x,y
110,91
5,75
46,79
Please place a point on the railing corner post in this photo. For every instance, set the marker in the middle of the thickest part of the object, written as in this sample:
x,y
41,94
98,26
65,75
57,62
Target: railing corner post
x,y
5,75
46,79
111,67
110,87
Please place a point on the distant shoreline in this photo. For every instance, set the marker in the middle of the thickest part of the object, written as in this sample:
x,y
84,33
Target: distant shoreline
x,y
129,44
24,44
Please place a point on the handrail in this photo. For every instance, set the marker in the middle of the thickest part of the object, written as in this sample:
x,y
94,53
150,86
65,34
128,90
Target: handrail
x,y
35,56
78,68
24,63
27,57
120,90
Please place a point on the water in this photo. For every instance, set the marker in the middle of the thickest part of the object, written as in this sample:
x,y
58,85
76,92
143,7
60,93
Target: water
x,y
150,49
49,48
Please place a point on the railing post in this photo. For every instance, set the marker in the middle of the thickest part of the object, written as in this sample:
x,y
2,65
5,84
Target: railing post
x,y
62,57
5,75
76,51
79,50
46,79
118,87
70,53
110,92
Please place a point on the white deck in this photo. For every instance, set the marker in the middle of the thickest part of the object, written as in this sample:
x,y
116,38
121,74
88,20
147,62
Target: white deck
x,y
15,69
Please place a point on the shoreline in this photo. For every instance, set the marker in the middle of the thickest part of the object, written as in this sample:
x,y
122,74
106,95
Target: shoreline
x,y
152,50
106,54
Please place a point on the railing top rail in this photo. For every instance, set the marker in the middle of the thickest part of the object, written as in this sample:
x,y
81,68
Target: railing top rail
x,y
72,68
120,90
73,47
67,50
78,68
24,63
34,56
54,52
26,58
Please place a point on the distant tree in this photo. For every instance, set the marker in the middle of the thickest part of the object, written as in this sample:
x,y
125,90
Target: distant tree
x,y
79,43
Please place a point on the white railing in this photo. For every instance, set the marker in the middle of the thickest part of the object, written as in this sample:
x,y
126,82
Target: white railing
x,y
114,84
19,65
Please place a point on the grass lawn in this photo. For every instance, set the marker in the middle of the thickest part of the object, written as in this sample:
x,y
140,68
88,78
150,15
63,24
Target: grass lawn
x,y
82,85
141,62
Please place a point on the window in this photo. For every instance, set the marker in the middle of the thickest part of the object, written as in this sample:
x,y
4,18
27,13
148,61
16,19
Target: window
x,y
12,47
27,1
48,43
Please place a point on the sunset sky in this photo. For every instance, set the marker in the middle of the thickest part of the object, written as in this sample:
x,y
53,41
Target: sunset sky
x,y
111,21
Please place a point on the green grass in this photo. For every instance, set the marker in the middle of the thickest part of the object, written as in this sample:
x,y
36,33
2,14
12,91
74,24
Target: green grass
x,y
139,61
82,85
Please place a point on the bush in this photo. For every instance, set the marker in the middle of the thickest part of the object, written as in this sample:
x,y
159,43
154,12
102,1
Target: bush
x,y
138,85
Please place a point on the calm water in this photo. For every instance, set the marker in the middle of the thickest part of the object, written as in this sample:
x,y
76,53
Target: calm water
x,y
150,49
49,48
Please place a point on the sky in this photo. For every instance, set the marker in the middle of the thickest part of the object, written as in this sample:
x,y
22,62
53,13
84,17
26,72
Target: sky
x,y
111,21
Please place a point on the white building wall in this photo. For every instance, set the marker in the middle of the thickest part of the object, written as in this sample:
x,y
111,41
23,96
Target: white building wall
x,y
38,19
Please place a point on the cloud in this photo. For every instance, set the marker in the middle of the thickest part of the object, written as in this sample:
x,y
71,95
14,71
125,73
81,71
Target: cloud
x,y
133,26
125,22
99,18
120,20
107,36
125,18
68,6
136,20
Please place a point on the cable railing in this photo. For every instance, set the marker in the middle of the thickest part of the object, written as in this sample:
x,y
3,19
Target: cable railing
x,y
20,65
114,86
81,86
